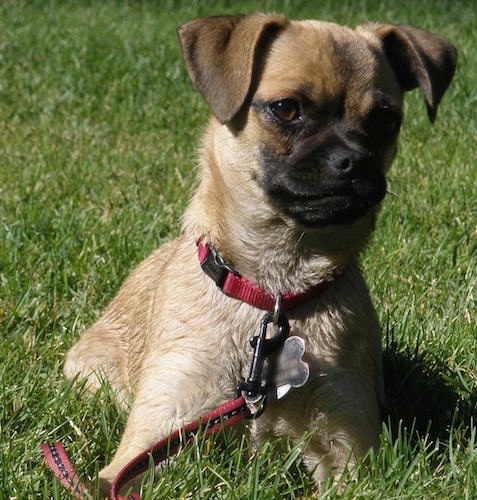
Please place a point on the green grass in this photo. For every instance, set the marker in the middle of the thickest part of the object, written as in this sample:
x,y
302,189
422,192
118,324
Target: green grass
x,y
98,123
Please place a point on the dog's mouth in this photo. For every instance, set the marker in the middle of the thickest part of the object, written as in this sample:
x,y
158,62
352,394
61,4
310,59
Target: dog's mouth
x,y
315,195
341,206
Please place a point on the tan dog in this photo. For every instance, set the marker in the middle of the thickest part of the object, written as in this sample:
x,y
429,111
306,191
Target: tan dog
x,y
305,123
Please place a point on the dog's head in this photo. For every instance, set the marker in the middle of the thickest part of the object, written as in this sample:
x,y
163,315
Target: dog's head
x,y
315,108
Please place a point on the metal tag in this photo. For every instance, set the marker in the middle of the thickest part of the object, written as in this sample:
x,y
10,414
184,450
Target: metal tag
x,y
291,371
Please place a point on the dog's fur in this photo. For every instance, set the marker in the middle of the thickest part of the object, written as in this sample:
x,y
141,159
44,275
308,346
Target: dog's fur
x,y
305,120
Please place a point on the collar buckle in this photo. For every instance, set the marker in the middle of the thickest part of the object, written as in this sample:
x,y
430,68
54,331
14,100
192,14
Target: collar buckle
x,y
216,267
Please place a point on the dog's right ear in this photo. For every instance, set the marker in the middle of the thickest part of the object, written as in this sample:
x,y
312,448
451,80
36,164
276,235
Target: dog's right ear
x,y
221,52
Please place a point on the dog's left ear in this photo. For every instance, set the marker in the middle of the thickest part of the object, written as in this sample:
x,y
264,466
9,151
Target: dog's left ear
x,y
419,59
221,54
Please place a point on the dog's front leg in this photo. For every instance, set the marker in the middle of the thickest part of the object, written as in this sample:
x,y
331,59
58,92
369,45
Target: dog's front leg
x,y
175,388
333,422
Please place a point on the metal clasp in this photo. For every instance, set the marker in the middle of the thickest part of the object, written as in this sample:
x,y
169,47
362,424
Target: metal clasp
x,y
255,388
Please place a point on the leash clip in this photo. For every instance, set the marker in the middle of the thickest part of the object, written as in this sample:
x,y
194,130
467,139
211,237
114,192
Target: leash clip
x,y
255,388
277,363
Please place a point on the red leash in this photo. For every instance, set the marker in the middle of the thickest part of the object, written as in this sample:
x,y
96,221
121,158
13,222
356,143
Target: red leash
x,y
225,415
58,461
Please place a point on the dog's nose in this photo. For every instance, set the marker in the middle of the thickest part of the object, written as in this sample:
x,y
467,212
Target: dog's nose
x,y
345,162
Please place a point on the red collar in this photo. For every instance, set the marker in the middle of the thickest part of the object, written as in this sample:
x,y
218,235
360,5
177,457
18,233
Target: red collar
x,y
235,285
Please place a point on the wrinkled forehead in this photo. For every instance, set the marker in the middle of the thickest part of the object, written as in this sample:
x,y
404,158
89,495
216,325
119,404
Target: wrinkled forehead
x,y
323,61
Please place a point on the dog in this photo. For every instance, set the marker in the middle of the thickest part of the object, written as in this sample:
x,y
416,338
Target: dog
x,y
305,118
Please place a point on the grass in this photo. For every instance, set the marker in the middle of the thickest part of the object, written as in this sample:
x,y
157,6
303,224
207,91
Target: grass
x,y
98,125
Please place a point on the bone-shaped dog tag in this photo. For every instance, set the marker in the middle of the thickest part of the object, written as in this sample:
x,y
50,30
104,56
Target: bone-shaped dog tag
x,y
291,370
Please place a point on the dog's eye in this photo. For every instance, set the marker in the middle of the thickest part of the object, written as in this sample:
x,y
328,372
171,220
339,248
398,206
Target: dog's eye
x,y
285,110
384,121
391,122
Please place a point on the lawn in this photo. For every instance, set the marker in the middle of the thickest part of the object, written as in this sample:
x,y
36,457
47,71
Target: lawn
x,y
98,128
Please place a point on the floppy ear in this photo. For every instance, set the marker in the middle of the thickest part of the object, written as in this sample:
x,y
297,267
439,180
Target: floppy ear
x,y
221,52
419,59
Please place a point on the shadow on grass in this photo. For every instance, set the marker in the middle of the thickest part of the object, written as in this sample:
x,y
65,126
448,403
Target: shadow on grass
x,y
424,394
